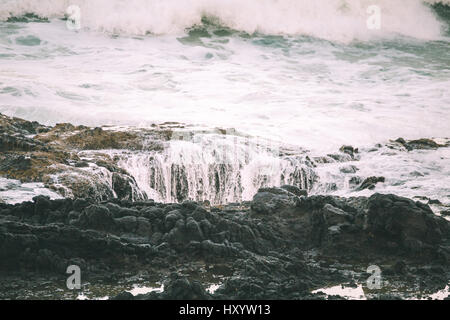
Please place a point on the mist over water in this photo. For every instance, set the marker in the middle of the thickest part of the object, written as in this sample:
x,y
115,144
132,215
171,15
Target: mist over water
x,y
304,73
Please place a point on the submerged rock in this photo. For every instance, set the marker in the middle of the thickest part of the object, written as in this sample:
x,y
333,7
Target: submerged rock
x,y
180,288
420,144
295,190
370,183
349,150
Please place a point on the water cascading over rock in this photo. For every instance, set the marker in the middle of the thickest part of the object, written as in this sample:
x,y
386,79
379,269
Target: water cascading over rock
x,y
218,168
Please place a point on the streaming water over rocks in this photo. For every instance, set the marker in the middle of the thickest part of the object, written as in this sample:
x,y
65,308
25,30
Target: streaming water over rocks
x,y
135,100
309,74
173,162
167,163
217,168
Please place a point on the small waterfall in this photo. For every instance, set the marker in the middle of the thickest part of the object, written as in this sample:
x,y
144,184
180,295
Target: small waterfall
x,y
219,168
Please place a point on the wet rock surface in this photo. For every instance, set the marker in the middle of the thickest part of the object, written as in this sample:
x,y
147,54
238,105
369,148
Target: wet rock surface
x,y
281,246
132,163
162,162
420,144
74,161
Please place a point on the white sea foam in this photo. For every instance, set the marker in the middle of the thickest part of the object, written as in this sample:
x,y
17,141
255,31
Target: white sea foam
x,y
13,191
336,20
292,89
345,292
221,169
424,173
312,94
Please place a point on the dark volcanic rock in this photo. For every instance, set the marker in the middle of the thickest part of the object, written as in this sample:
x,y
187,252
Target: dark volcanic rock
x,y
180,288
266,249
404,222
123,296
419,144
273,201
370,183
97,217
295,190
349,150
123,186
348,169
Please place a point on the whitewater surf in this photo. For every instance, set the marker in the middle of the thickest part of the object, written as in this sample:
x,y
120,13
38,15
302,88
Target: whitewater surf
x,y
224,149
301,74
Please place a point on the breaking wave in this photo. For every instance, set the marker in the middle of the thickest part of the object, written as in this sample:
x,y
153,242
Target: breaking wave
x,y
334,20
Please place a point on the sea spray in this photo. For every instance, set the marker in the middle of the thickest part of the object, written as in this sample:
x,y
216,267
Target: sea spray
x,y
335,20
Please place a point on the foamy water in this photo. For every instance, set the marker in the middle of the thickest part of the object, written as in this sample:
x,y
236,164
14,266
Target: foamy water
x,y
306,73
13,191
340,20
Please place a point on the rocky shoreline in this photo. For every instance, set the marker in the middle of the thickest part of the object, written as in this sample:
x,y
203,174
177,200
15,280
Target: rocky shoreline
x,y
283,244
31,152
132,163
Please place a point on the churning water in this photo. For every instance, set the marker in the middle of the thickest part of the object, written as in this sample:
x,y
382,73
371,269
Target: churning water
x,y
305,73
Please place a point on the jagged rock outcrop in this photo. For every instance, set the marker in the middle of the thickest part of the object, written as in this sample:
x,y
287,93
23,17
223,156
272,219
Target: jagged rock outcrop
x,y
420,144
66,158
263,246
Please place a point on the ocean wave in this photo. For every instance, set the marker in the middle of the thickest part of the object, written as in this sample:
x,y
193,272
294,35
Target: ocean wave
x,y
334,20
